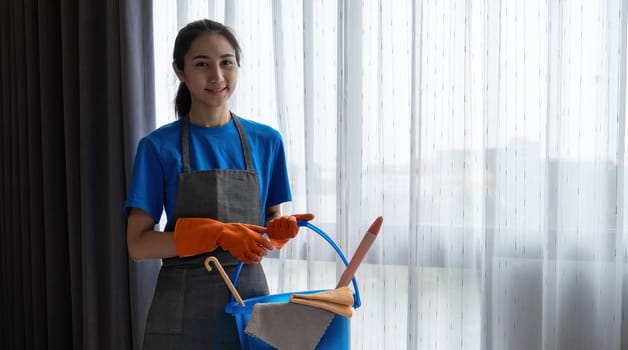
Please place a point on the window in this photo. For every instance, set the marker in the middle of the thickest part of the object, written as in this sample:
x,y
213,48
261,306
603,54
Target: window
x,y
489,135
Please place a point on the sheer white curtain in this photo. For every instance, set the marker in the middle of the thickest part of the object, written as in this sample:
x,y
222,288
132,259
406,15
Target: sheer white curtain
x,y
490,135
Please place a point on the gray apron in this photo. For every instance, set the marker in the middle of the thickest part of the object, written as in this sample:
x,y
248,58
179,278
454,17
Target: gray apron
x,y
188,308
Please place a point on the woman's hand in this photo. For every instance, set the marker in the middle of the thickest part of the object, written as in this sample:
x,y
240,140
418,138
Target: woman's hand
x,y
283,228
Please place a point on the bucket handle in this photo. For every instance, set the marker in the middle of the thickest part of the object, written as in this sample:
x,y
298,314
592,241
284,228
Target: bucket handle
x,y
357,302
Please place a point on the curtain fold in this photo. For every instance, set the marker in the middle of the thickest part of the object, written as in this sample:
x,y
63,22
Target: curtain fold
x,y
416,73
621,278
138,105
77,93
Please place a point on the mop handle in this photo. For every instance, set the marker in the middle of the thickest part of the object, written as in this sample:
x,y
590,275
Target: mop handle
x,y
360,252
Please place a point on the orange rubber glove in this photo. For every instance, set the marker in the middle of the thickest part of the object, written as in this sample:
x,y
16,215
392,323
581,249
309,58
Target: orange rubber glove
x,y
282,228
194,236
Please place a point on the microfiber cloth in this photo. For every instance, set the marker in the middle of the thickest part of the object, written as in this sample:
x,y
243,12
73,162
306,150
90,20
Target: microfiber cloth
x,y
288,326
338,301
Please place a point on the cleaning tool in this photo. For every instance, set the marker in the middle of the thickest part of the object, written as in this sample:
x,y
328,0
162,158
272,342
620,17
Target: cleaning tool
x,y
318,319
360,252
338,301
309,316
287,326
224,276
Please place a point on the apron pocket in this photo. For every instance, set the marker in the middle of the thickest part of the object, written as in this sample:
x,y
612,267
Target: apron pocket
x,y
166,311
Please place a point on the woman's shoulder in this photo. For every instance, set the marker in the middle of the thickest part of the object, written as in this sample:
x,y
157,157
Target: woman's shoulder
x,y
258,129
166,138
165,133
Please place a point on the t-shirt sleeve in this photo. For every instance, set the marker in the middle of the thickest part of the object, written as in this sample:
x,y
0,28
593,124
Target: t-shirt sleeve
x,y
279,184
147,181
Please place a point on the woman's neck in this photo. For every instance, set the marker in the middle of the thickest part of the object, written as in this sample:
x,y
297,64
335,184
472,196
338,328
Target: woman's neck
x,y
210,117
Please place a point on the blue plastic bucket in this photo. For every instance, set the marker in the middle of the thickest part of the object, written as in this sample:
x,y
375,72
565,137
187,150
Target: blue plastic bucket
x,y
336,336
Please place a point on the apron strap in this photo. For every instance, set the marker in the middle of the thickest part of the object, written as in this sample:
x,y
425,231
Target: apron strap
x,y
185,143
245,143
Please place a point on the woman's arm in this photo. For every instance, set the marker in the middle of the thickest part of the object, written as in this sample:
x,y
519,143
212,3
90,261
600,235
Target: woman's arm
x,y
273,212
142,239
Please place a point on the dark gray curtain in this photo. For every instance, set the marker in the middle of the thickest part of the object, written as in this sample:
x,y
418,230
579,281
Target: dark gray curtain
x,y
76,94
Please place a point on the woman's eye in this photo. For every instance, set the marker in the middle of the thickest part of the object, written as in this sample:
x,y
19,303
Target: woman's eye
x,y
227,63
201,64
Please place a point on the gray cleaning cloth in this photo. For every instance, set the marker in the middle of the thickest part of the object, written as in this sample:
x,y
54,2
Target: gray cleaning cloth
x,y
288,326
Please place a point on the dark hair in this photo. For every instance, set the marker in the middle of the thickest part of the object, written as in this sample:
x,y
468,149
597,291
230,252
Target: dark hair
x,y
185,37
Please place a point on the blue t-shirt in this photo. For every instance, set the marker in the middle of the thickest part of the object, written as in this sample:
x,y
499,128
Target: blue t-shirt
x,y
158,162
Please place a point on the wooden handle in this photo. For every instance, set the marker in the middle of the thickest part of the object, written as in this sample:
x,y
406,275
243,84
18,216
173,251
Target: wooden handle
x,y
360,253
224,277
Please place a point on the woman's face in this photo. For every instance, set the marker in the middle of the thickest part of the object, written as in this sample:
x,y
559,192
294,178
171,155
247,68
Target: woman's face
x,y
210,71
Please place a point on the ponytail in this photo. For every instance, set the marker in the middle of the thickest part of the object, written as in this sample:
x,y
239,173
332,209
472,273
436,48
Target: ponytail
x,y
183,101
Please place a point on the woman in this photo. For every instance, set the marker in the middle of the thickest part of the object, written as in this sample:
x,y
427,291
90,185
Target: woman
x,y
219,178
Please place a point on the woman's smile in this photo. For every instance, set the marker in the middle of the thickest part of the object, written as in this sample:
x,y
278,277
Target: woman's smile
x,y
217,91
